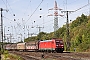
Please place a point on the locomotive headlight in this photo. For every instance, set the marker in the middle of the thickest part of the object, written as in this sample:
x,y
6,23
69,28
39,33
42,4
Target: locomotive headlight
x,y
61,45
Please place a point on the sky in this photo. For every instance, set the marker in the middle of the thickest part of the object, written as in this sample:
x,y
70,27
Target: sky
x,y
22,15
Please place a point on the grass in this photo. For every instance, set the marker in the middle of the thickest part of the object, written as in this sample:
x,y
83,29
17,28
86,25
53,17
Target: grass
x,y
8,56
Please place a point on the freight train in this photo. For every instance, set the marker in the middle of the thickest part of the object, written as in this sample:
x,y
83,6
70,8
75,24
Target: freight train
x,y
53,45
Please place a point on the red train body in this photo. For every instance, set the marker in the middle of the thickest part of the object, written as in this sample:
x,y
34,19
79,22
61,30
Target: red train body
x,y
52,45
45,45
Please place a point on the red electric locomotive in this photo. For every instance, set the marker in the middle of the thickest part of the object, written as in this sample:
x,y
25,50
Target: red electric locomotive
x,y
52,45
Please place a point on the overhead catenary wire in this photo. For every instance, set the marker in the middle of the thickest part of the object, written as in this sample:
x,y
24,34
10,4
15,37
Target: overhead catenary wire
x,y
18,24
34,11
11,12
42,0
76,10
7,8
10,8
43,23
28,7
82,7
47,26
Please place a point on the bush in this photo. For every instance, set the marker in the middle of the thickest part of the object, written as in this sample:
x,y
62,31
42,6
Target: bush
x,y
83,47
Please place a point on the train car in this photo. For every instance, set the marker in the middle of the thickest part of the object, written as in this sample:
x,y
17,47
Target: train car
x,y
10,46
7,46
52,45
21,46
32,46
14,46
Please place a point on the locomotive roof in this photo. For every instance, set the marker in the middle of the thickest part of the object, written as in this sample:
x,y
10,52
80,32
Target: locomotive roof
x,y
49,40
45,40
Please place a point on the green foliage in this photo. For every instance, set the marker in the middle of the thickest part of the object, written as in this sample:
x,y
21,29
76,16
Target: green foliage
x,y
7,56
60,32
83,47
79,21
78,40
31,39
81,33
41,35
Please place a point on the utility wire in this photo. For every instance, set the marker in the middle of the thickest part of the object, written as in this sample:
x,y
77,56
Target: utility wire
x,y
49,24
18,24
82,7
28,7
7,7
11,12
10,7
34,11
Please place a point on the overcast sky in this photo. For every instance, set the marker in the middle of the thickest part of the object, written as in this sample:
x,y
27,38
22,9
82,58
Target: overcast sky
x,y
27,13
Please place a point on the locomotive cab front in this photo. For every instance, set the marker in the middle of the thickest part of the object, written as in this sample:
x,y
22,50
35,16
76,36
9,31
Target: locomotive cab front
x,y
59,46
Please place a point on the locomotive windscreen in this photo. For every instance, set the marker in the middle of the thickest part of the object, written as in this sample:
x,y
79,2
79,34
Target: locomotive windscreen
x,y
59,41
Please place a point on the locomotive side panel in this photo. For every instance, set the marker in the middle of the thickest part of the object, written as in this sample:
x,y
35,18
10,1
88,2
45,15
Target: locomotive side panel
x,y
47,45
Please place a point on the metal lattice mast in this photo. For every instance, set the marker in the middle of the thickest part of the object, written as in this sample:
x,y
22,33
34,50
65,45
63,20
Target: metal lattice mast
x,y
67,31
55,23
55,16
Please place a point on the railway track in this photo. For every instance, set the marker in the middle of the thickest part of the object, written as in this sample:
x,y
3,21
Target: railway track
x,y
26,55
53,56
71,56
